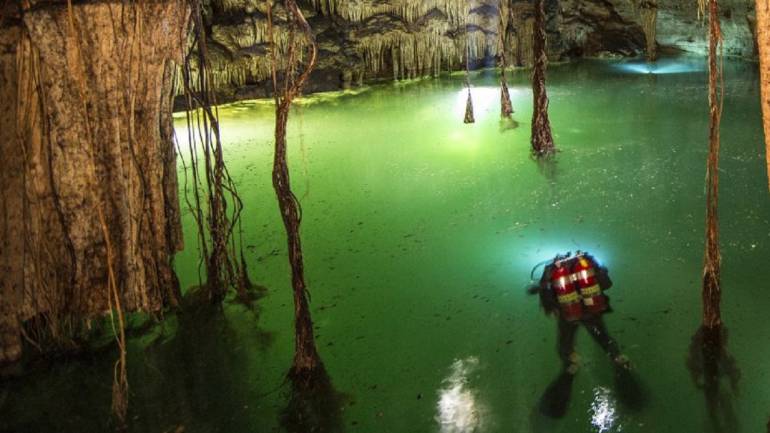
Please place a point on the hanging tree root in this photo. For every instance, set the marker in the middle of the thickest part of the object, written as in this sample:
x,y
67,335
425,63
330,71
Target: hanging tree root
x,y
712,260
213,189
542,140
469,118
506,108
307,363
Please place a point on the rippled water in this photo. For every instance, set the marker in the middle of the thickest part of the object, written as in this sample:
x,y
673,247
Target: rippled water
x,y
420,233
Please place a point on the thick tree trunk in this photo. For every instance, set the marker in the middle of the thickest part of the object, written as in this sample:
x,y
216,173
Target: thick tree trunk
x,y
712,262
11,208
89,139
542,140
763,44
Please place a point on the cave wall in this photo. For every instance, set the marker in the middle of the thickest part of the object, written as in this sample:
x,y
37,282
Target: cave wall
x,y
680,26
88,169
395,39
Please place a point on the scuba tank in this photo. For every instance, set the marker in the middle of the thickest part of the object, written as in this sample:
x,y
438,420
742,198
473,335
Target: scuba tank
x,y
584,278
565,290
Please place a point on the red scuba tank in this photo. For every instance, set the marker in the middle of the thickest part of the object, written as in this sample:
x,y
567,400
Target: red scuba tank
x,y
564,288
584,276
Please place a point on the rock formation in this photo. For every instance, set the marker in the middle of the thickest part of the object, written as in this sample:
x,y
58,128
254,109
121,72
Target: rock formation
x,y
399,39
396,39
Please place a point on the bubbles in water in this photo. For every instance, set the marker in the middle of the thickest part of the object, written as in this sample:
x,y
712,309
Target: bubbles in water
x,y
458,408
603,413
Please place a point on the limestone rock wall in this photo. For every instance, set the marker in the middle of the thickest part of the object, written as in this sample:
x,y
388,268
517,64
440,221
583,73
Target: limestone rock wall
x,y
395,39
367,39
680,26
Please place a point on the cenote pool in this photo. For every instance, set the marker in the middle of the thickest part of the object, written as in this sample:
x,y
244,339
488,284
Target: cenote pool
x,y
420,233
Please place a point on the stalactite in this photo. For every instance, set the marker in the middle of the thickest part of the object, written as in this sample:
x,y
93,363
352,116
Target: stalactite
x,y
648,11
648,15
763,43
422,48
307,368
542,140
411,10
422,52
525,49
712,262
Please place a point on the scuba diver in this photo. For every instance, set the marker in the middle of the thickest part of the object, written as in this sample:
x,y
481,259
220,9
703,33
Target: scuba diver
x,y
572,288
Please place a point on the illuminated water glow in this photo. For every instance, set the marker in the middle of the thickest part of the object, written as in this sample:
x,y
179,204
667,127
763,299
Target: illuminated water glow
x,y
662,67
485,100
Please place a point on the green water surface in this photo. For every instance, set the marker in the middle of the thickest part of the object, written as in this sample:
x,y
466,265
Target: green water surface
x,y
419,235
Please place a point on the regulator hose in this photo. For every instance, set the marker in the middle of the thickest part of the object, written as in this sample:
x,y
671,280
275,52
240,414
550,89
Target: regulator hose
x,y
532,273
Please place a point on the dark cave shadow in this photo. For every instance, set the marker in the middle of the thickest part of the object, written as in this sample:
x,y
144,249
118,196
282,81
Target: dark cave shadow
x,y
630,390
709,363
196,372
198,318
553,404
555,399
313,405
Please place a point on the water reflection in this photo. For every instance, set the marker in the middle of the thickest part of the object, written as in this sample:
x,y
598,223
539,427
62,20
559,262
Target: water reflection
x,y
661,67
603,410
486,100
314,407
710,364
458,407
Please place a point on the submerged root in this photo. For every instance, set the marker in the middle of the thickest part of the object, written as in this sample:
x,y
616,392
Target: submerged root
x,y
314,405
